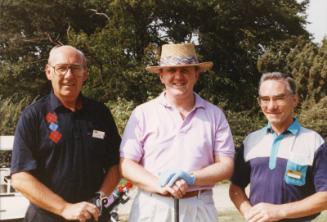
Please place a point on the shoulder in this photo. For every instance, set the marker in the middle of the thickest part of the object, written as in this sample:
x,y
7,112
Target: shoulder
x,y
255,135
148,107
93,103
322,150
210,110
310,137
36,108
95,107
208,105
305,132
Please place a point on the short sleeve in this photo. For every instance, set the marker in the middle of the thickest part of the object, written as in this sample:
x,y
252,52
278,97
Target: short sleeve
x,y
115,139
25,142
320,168
132,145
242,170
224,144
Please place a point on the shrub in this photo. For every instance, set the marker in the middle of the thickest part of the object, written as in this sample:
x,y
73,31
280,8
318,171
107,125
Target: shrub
x,y
315,117
244,122
121,109
9,113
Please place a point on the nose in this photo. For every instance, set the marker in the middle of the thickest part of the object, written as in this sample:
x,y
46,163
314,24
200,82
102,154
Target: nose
x,y
272,104
178,74
69,73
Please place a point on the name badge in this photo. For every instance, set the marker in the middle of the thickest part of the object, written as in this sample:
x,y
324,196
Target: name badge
x,y
294,174
98,134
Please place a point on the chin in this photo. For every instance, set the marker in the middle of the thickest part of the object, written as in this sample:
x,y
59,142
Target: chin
x,y
273,119
69,95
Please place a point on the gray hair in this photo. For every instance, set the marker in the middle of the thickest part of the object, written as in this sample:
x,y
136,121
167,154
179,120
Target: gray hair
x,y
291,85
52,51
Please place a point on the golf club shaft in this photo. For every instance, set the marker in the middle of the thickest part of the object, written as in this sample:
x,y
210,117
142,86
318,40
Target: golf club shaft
x,y
176,206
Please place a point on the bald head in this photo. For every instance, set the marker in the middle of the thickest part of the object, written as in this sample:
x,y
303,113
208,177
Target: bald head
x,y
65,49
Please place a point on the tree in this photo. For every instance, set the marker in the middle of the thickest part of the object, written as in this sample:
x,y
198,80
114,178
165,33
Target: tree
x,y
28,30
118,38
121,37
307,63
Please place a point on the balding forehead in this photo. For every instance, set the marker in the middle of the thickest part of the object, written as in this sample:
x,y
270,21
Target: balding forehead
x,y
65,49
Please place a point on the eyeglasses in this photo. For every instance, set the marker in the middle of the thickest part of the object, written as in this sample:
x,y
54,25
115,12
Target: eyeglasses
x,y
62,69
278,99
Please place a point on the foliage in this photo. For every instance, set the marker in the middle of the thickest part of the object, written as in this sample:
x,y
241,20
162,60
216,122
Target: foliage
x,y
10,110
244,122
307,63
121,109
28,29
315,117
121,37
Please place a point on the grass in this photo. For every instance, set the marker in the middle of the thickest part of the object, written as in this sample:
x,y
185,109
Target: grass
x,y
234,216
230,216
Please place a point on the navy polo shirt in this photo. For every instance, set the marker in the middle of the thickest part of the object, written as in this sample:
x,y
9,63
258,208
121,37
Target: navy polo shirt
x,y
69,152
282,168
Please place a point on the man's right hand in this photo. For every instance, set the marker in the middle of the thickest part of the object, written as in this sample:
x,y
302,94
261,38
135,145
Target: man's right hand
x,y
82,211
169,177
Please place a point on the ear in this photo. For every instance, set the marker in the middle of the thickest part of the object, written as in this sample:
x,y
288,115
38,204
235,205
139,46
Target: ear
x,y
47,70
161,77
197,75
295,100
86,75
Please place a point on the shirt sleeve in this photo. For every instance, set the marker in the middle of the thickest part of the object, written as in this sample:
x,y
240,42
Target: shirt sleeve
x,y
224,144
114,141
320,168
132,146
25,142
242,170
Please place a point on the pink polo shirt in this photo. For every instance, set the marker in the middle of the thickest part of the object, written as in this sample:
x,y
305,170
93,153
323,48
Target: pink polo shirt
x,y
159,139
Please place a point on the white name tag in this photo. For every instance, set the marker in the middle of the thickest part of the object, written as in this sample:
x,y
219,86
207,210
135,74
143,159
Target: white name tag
x,y
98,134
294,174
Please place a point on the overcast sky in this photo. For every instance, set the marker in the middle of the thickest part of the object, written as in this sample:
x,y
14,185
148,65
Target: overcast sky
x,y
317,15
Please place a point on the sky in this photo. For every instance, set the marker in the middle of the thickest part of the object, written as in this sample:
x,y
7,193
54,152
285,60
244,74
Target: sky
x,y
317,16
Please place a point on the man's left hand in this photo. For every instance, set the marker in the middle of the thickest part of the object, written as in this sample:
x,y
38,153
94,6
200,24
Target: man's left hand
x,y
264,212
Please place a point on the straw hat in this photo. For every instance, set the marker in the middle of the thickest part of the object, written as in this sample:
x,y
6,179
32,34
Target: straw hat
x,y
179,55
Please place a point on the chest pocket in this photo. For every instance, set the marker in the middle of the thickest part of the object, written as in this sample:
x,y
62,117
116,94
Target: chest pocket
x,y
296,169
98,143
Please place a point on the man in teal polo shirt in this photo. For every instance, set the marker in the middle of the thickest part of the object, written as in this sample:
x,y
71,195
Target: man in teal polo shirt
x,y
284,163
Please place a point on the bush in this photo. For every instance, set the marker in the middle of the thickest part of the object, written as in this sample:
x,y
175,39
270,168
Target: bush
x,y
315,117
9,113
244,122
121,109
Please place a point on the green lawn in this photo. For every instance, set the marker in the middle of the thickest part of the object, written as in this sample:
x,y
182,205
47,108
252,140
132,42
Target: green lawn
x,y
234,216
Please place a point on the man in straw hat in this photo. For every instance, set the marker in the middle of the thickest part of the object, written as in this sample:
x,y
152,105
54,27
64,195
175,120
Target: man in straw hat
x,y
178,145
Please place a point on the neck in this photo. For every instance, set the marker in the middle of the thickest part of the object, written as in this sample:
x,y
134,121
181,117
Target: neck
x,y
183,104
68,103
71,105
279,129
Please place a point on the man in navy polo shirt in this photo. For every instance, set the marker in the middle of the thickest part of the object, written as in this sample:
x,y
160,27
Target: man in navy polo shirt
x,y
66,146
284,163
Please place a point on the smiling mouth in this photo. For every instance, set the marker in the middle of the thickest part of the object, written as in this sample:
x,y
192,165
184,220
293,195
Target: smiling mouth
x,y
69,84
179,85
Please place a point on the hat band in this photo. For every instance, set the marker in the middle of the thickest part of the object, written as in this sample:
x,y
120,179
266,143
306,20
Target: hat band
x,y
178,60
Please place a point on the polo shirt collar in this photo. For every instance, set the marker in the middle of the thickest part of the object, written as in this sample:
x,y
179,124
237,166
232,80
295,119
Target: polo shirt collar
x,y
55,102
199,102
294,128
